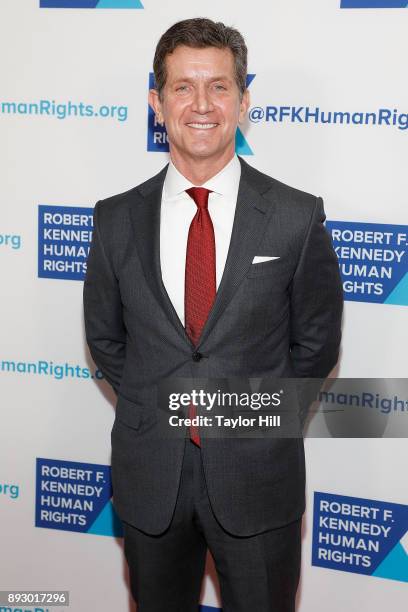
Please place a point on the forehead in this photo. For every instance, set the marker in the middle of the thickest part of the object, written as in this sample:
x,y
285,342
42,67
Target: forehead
x,y
190,62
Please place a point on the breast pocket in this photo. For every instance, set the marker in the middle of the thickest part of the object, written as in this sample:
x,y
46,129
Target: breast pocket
x,y
264,268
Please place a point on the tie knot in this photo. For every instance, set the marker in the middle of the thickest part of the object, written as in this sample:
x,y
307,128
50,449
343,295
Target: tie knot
x,y
199,195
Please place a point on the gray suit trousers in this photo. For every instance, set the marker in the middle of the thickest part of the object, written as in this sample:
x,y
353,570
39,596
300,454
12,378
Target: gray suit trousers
x,y
259,572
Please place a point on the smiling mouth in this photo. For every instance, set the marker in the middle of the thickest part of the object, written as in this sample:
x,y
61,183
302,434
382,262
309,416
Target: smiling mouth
x,y
202,126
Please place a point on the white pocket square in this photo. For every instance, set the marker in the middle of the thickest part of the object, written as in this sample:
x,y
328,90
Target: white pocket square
x,y
260,259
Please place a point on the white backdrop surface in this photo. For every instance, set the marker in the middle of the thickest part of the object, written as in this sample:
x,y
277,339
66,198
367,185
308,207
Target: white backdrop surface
x,y
303,54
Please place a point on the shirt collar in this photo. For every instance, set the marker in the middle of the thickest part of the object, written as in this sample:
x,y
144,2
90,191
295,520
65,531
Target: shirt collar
x,y
225,182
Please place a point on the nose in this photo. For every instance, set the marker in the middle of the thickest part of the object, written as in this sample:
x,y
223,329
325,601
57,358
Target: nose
x,y
202,102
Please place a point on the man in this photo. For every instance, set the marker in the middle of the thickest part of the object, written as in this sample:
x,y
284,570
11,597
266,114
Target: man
x,y
210,269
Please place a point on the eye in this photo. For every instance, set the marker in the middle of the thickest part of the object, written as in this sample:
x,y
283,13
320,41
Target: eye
x,y
220,87
182,88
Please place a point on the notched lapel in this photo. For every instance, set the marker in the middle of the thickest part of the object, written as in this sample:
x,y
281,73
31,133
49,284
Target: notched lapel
x,y
145,216
252,214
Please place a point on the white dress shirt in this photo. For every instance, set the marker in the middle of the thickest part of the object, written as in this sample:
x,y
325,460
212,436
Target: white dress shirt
x,y
177,212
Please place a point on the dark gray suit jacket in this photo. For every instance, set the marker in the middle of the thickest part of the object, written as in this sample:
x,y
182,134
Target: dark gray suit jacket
x,y
276,318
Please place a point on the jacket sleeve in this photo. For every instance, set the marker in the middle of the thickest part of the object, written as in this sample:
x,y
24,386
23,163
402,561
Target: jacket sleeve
x,y
104,328
316,302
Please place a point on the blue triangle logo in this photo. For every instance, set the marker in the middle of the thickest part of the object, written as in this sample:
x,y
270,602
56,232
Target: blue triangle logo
x,y
399,295
241,145
395,565
120,4
107,523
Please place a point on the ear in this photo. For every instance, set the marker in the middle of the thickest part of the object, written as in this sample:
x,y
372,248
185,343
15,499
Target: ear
x,y
155,103
244,105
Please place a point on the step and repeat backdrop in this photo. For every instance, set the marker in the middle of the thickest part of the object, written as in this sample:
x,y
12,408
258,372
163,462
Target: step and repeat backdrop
x,y
328,115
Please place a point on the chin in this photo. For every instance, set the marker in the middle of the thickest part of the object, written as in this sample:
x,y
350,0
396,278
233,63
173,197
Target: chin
x,y
203,151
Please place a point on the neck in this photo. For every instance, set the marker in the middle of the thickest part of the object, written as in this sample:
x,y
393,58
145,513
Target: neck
x,y
199,170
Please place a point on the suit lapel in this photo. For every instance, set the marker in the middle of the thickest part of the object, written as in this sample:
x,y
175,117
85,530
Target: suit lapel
x,y
251,216
145,215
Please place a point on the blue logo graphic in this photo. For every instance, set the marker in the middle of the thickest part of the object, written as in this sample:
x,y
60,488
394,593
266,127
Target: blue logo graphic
x,y
87,4
373,261
363,536
365,4
157,136
74,496
64,239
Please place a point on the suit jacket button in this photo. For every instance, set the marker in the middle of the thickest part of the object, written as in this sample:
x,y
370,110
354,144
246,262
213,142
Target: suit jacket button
x,y
196,356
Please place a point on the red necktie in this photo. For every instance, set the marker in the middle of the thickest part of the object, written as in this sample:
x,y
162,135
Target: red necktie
x,y
200,279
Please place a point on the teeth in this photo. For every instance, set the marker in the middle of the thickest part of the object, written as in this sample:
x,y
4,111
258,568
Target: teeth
x,y
202,126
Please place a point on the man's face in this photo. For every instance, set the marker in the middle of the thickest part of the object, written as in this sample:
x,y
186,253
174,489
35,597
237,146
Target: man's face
x,y
200,103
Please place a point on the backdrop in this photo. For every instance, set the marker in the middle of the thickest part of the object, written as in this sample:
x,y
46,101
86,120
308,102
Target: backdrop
x,y
328,115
